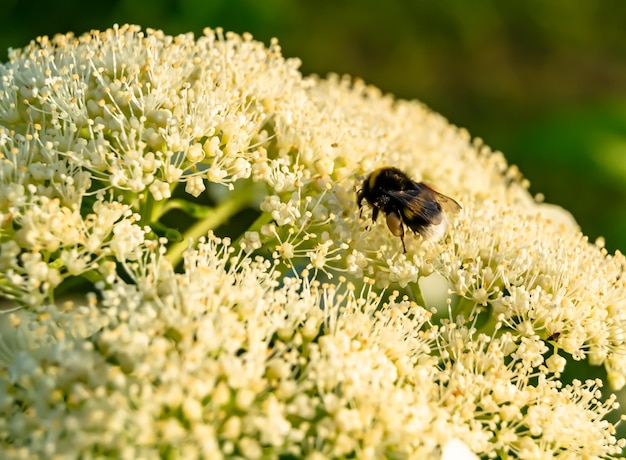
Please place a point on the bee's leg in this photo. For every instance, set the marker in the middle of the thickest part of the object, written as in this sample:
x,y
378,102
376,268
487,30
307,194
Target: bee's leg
x,y
403,245
359,202
374,214
396,227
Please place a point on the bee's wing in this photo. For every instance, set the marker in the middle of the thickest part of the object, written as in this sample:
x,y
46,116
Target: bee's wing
x,y
447,203
417,206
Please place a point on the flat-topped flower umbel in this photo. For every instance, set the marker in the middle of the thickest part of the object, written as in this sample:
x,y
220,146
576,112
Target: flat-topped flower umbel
x,y
294,333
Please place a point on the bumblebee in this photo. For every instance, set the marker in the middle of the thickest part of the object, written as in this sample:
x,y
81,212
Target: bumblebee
x,y
406,202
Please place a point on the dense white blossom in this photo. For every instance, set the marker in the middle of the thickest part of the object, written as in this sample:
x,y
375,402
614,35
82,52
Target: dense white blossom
x,y
302,331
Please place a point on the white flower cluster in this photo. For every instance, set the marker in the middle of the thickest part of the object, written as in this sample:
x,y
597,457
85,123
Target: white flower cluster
x,y
307,336
226,360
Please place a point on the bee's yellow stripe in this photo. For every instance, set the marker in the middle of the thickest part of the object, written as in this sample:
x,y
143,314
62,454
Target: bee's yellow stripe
x,y
408,213
371,181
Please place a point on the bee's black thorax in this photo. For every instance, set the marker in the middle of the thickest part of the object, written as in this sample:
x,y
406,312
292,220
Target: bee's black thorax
x,y
378,183
389,179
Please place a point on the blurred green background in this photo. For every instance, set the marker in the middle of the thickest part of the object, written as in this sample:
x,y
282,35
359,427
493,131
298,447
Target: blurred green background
x,y
545,82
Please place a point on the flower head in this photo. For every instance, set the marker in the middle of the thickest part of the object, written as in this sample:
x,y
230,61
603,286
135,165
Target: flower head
x,y
300,332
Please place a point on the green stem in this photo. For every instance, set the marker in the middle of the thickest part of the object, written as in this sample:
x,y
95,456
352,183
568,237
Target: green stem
x,y
489,326
168,206
219,215
416,294
152,210
147,209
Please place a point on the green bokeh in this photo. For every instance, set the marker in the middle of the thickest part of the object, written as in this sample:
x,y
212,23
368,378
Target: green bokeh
x,y
542,81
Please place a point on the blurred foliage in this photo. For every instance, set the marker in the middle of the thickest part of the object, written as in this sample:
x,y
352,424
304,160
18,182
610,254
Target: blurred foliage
x,y
542,81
